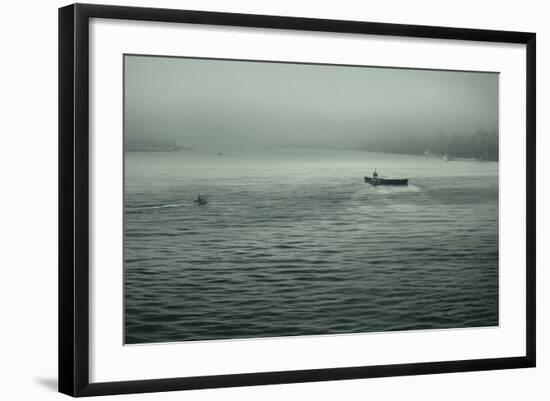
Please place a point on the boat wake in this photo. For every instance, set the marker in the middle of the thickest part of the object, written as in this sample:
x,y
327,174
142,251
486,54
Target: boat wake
x,y
137,209
388,190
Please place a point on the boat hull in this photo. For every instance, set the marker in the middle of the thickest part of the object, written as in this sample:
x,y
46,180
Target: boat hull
x,y
387,181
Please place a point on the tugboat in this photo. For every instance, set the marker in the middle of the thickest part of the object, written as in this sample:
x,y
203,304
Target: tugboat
x,y
201,200
375,180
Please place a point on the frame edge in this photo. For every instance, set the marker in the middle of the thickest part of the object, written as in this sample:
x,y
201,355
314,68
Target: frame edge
x,y
73,344
73,341
531,201
66,307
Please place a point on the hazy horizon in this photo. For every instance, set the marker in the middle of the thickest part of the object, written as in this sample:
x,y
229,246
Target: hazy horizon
x,y
221,104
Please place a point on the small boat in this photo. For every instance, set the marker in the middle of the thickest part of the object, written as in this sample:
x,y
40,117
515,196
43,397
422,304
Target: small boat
x,y
201,200
376,180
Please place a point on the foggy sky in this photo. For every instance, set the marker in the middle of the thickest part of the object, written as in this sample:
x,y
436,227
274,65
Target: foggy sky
x,y
218,104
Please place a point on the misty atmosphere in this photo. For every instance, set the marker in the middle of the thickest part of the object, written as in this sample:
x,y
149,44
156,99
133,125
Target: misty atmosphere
x,y
220,104
270,199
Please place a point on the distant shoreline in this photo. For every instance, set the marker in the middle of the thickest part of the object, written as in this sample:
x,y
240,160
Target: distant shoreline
x,y
443,157
158,149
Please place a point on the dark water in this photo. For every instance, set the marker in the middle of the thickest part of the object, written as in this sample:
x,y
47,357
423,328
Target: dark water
x,y
295,243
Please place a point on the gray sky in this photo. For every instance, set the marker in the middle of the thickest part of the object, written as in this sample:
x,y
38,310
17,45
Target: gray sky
x,y
217,104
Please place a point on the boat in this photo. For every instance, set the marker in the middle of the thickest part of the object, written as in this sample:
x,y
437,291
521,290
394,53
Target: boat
x,y
201,200
376,180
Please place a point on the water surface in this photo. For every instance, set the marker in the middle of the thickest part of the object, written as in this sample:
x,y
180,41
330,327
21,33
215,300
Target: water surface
x,y
295,243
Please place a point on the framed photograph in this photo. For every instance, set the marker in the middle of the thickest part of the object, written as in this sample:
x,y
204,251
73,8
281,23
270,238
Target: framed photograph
x,y
251,199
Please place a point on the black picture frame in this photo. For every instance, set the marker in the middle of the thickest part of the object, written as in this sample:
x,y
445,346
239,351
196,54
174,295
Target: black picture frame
x,y
74,198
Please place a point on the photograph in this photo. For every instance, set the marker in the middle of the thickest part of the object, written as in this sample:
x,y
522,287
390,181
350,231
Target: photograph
x,y
270,199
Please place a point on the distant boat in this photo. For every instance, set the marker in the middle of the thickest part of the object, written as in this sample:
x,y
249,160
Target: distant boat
x,y
201,200
376,180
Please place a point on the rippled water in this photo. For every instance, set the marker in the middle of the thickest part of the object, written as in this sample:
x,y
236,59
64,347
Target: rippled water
x,y
296,243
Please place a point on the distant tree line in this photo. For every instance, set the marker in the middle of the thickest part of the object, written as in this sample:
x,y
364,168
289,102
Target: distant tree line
x,y
481,145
